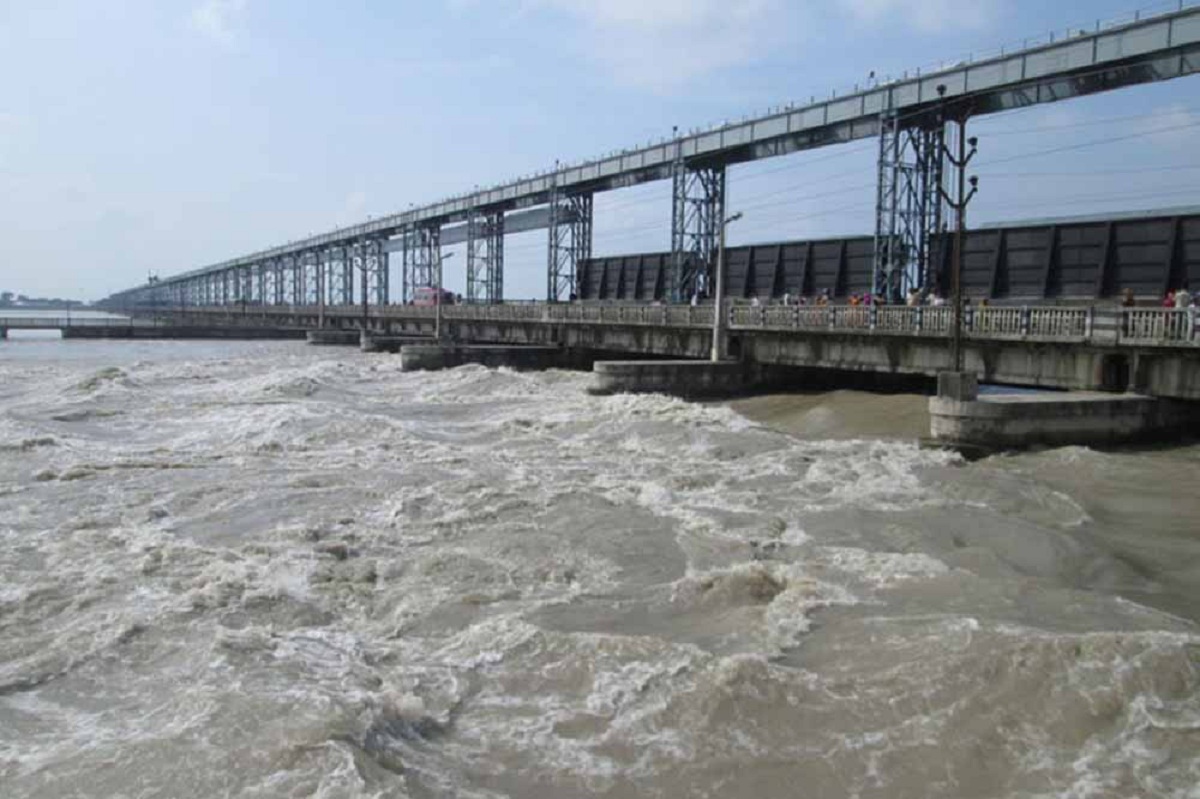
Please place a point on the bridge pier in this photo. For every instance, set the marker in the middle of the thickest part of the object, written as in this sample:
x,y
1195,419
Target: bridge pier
x,y
434,357
326,337
1018,421
678,378
382,342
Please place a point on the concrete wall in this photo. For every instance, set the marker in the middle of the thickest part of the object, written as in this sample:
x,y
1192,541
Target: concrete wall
x,y
1055,420
1158,370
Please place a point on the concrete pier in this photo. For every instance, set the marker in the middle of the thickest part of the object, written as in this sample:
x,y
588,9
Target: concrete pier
x,y
994,422
378,342
681,378
333,338
430,357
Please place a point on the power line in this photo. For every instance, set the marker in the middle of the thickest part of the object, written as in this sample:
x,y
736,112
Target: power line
x,y
1095,142
1090,173
1085,123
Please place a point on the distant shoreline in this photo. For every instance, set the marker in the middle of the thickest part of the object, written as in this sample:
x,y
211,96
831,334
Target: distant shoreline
x,y
47,307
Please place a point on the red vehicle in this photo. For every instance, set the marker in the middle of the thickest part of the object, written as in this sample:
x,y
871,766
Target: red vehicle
x,y
428,295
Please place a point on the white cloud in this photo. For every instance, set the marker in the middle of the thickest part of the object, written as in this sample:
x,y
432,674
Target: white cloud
x,y
661,44
927,16
219,20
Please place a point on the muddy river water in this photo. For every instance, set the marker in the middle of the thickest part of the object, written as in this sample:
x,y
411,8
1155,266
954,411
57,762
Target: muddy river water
x,y
266,570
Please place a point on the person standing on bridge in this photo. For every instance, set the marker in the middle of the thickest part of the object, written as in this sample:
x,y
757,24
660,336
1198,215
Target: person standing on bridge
x,y
1183,297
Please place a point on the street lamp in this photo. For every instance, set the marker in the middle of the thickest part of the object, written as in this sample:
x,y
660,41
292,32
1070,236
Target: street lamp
x,y
718,309
437,313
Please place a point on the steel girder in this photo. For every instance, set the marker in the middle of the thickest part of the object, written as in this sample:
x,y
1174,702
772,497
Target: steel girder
x,y
485,256
570,242
908,207
697,210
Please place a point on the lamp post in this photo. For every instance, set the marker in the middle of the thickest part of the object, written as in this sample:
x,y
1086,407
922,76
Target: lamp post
x,y
437,312
719,301
959,203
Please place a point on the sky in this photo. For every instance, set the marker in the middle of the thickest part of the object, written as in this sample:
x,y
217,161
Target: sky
x,y
142,137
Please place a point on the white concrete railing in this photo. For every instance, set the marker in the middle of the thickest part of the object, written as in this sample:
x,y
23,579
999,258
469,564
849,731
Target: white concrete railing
x,y
1159,325
59,322
1020,322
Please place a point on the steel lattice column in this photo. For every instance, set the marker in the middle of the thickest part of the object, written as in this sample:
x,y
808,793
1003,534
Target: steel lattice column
x,y
485,257
300,272
697,208
908,208
336,284
356,256
570,242
405,246
316,286
277,290
347,297
375,260
423,247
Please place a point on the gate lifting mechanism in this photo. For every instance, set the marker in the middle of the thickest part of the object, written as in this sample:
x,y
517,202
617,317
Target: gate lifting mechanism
x,y
570,242
697,208
908,208
422,248
485,256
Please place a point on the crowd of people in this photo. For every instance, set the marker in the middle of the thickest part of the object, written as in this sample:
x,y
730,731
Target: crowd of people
x,y
1179,298
1175,298
915,297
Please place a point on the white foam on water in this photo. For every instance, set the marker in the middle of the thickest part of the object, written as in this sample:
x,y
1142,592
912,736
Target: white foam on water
x,y
340,576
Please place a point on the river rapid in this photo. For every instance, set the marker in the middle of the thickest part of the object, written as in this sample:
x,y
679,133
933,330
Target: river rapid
x,y
267,570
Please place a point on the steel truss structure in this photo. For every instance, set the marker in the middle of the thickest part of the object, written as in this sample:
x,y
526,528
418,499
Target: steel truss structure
x,y
422,247
570,242
485,256
908,207
697,209
370,258
338,286
1160,47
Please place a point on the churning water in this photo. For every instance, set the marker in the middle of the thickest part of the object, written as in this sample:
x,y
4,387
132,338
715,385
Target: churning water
x,y
265,570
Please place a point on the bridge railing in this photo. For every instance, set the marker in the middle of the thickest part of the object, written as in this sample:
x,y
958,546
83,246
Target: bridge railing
x,y
59,322
1058,322
1102,325
1158,325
